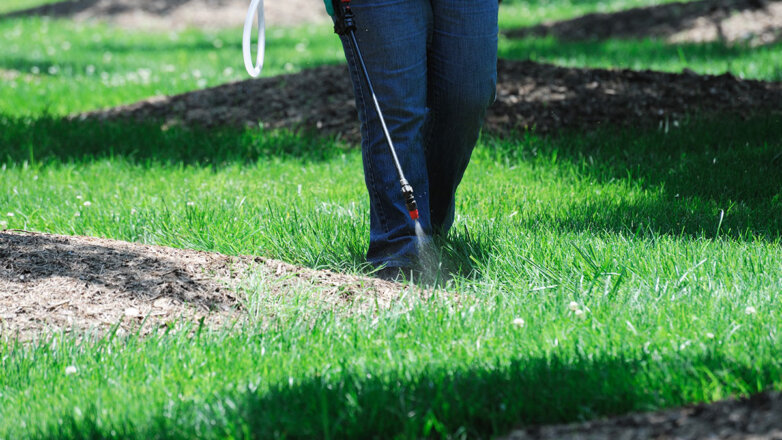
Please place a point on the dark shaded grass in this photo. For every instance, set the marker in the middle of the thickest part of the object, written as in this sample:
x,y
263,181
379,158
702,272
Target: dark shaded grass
x,y
435,400
52,139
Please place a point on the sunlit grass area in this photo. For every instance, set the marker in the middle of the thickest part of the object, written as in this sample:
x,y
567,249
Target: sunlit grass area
x,y
60,67
763,63
18,5
523,13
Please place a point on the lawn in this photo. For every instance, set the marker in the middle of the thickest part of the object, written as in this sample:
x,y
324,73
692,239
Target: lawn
x,y
595,273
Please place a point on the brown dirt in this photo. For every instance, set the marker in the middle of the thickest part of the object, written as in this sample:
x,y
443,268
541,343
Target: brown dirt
x,y
755,22
70,283
756,418
529,94
178,14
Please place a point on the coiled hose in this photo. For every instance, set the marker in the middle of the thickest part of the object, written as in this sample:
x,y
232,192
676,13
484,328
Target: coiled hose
x,y
256,7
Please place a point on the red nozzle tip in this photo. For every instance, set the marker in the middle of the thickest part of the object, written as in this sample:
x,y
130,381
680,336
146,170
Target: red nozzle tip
x,y
414,214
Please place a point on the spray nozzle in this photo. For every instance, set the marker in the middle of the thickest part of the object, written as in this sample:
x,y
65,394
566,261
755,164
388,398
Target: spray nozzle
x,y
407,193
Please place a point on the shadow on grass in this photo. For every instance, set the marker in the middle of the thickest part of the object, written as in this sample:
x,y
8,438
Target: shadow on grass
x,y
446,401
659,21
705,178
47,139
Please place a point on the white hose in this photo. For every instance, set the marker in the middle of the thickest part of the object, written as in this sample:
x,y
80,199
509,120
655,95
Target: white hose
x,y
254,69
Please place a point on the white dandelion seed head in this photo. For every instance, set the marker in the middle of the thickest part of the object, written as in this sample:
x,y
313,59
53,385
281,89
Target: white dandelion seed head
x,y
519,322
573,306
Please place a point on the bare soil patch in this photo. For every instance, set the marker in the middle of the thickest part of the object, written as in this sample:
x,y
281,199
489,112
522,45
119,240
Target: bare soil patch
x,y
529,94
71,283
755,418
179,14
754,22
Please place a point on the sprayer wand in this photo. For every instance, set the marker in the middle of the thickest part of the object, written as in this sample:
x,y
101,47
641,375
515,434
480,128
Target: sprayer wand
x,y
345,25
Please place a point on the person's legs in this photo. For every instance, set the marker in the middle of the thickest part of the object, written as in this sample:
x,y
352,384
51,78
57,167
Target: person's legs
x,y
462,71
392,36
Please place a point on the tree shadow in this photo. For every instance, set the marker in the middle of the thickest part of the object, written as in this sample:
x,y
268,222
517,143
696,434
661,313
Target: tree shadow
x,y
477,400
47,138
664,21
31,258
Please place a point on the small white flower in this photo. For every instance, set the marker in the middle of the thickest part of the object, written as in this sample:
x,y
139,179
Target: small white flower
x,y
3,223
70,369
580,314
710,335
750,310
35,177
87,203
79,197
77,214
573,306
519,322
10,214
190,203
133,210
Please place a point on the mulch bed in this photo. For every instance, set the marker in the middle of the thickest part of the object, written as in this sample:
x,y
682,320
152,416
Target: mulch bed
x,y
756,418
56,283
529,94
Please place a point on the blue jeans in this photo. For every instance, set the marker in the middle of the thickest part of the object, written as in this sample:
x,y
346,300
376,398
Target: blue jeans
x,y
433,64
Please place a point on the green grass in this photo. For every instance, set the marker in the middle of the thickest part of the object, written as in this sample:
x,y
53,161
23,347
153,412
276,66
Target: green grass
x,y
18,5
625,224
662,239
763,63
523,13
60,67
